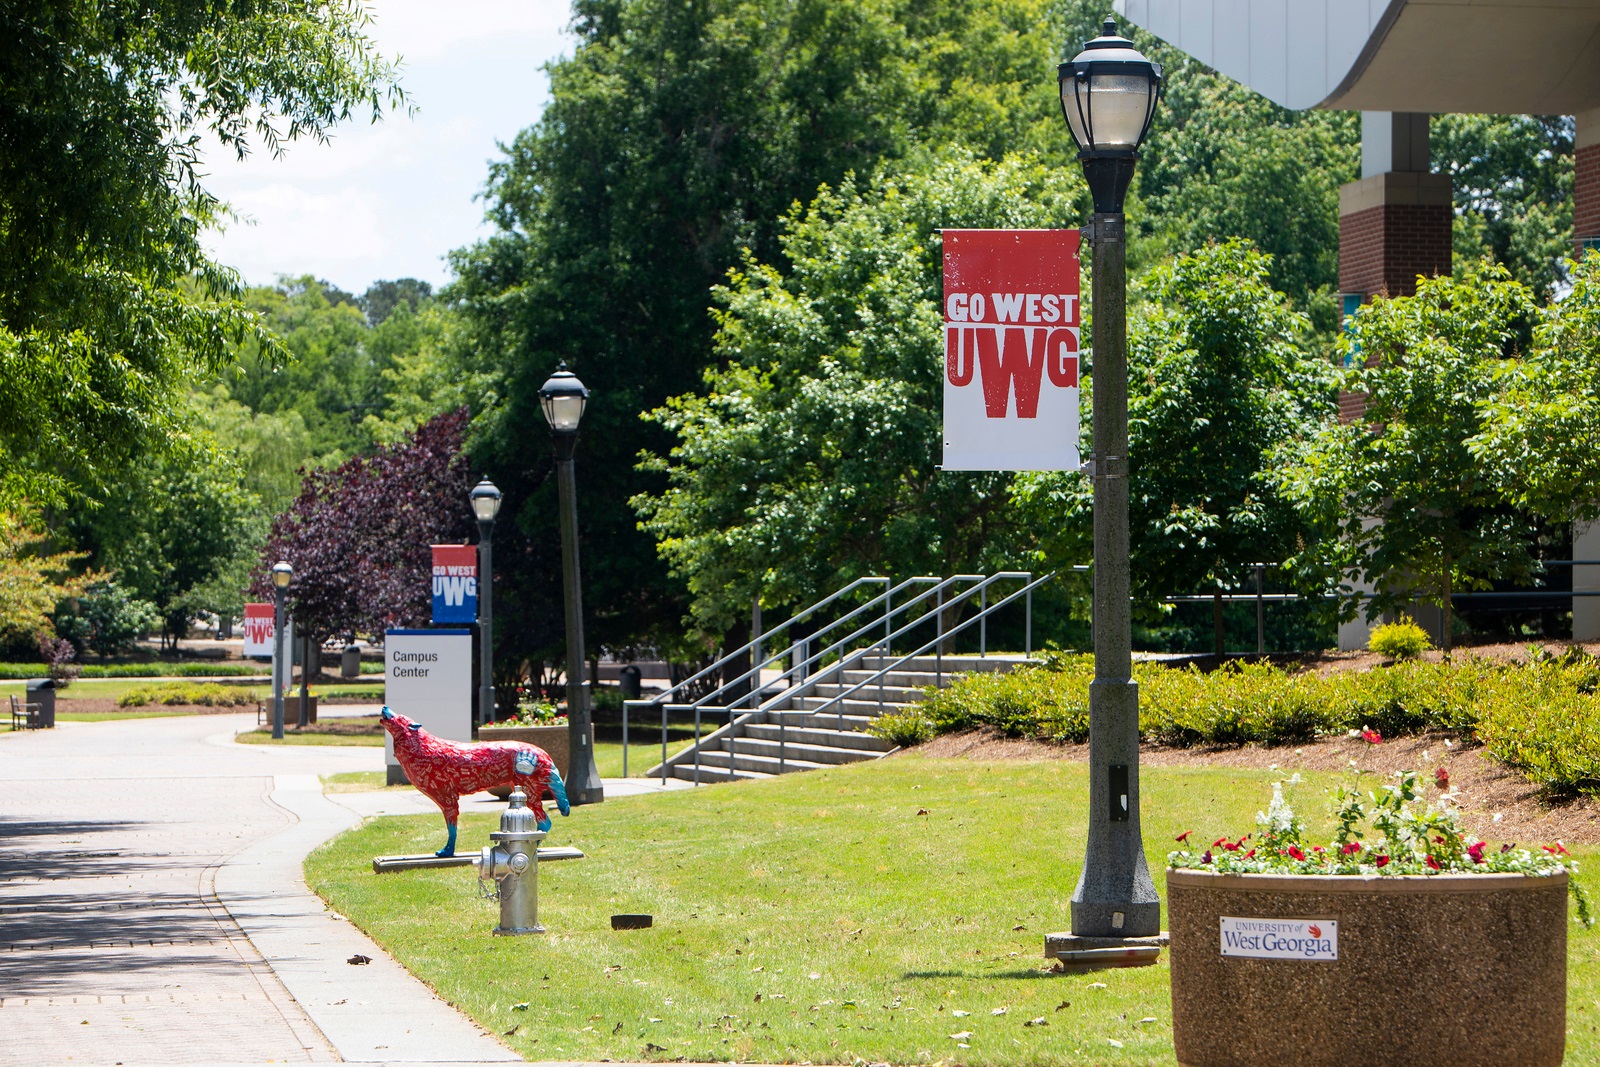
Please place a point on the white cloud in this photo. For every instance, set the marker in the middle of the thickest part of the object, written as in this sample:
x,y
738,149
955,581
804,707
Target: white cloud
x,y
390,200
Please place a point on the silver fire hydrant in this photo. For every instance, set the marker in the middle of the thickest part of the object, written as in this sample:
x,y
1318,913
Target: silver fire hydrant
x,y
513,862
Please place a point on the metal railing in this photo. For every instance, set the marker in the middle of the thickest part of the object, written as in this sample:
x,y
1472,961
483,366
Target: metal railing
x,y
1261,598
874,636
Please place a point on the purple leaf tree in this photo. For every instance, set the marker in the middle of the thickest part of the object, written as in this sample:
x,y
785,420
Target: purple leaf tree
x,y
358,535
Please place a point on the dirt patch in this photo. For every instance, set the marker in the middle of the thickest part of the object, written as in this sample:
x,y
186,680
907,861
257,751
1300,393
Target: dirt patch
x,y
1486,787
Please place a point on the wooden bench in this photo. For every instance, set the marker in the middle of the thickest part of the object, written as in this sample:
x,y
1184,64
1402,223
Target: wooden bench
x,y
25,716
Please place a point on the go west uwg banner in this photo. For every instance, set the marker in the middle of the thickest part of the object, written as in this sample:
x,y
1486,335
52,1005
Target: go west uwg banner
x,y
1011,333
455,583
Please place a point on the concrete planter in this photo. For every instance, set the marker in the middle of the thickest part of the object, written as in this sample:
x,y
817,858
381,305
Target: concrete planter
x,y
553,739
1458,969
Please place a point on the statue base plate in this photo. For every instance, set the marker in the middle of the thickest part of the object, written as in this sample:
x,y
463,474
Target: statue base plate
x,y
381,864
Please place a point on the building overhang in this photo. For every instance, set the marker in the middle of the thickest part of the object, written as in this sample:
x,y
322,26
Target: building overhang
x,y
1532,57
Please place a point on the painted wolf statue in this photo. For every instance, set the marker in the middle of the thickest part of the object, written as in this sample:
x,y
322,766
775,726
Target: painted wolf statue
x,y
445,771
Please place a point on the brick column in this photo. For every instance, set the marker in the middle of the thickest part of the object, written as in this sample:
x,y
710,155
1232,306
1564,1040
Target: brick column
x,y
1393,227
1586,184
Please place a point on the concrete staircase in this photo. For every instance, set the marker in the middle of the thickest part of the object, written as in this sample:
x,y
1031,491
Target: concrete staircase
x,y
805,727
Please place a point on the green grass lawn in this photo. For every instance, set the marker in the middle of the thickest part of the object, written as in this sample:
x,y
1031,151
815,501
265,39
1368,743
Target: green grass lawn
x,y
815,917
360,730
358,782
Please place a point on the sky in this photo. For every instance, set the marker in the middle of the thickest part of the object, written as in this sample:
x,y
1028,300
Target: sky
x,y
391,200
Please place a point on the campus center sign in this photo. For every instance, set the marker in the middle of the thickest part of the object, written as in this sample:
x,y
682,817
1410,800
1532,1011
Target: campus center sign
x,y
1012,328
427,677
455,583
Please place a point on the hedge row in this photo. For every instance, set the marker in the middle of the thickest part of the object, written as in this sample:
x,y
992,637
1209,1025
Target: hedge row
x,y
1541,716
15,671
174,694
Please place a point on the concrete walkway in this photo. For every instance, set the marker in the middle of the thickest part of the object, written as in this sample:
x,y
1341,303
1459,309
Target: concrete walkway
x,y
152,909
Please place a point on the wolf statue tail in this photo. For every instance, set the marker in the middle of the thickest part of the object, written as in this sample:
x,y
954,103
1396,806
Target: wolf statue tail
x,y
559,788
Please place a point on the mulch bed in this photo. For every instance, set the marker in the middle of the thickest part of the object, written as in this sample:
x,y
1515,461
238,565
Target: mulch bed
x,y
1486,788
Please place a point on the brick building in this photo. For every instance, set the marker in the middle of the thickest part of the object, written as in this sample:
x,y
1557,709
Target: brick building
x,y
1398,62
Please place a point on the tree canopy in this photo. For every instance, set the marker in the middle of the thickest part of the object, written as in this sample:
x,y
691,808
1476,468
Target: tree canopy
x,y
812,457
107,300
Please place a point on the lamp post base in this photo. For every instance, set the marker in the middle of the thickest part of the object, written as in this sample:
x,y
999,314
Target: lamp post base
x,y
1070,950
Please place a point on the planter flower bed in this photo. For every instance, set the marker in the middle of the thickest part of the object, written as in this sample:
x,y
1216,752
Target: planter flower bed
x,y
1401,940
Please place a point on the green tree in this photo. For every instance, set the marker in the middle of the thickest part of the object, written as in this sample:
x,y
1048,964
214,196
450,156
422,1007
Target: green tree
x,y
678,135
170,525
1540,441
108,303
1512,176
1222,162
34,577
1417,515
813,457
1219,378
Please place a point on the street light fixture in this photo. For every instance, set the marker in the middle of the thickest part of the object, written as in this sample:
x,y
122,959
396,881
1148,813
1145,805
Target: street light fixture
x,y
485,499
1108,95
563,398
282,575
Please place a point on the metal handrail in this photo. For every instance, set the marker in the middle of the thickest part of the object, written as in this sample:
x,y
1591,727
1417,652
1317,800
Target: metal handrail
x,y
805,669
663,699
939,639
881,646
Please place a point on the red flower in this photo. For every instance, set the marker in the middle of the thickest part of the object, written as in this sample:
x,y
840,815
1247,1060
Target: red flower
x,y
1207,857
1252,852
1354,846
1295,853
1558,849
1441,778
1508,846
1183,837
1232,846
1219,842
1431,862
1476,852
1371,736
1381,861
1318,848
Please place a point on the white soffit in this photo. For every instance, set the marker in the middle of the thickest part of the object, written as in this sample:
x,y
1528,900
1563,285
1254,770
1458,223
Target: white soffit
x,y
1537,57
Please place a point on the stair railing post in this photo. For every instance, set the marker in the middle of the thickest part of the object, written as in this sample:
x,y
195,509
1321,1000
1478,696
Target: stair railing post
x,y
1027,632
983,622
697,744
663,742
624,739
782,739
1261,610
888,622
938,648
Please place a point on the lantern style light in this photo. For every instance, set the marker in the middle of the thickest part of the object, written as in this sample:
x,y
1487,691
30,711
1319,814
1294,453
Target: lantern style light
x,y
282,574
1109,93
485,501
563,398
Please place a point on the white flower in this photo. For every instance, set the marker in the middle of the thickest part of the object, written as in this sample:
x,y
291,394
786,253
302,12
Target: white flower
x,y
1295,779
1278,817
1353,733
1425,755
1449,744
1498,816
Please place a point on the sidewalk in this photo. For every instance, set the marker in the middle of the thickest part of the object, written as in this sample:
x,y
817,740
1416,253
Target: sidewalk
x,y
154,910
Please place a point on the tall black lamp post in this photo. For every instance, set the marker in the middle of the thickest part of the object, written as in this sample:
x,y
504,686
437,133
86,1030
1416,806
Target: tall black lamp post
x,y
282,575
485,506
563,397
1109,95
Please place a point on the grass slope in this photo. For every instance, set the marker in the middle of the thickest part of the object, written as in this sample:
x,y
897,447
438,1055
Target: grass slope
x,y
816,917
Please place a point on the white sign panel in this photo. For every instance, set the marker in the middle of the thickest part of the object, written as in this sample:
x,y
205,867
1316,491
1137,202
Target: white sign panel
x,y
258,622
1011,340
1280,939
427,677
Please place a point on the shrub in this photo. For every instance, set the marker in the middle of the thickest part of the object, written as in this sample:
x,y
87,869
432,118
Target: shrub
x,y
205,694
903,728
1399,640
106,620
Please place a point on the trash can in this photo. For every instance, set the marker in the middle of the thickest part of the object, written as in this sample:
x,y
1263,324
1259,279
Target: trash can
x,y
630,682
42,691
350,662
